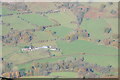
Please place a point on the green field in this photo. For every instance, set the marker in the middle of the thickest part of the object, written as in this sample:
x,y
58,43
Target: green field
x,y
65,74
6,11
39,36
37,19
81,46
85,46
15,23
37,77
16,56
64,18
94,26
45,60
113,22
61,31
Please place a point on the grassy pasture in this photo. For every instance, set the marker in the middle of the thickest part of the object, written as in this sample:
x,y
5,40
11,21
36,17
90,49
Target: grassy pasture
x,y
91,48
42,36
6,11
64,18
94,26
85,46
65,74
37,19
36,77
5,30
8,50
82,46
50,43
20,58
113,23
102,60
45,60
15,55
40,6
15,23
60,31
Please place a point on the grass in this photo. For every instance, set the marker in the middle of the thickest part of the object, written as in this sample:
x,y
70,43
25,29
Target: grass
x,y
37,19
5,30
95,27
85,46
40,35
36,77
20,58
113,22
41,6
8,50
65,74
91,48
16,23
6,11
28,65
64,18
53,43
79,46
45,60
60,31
102,60
15,55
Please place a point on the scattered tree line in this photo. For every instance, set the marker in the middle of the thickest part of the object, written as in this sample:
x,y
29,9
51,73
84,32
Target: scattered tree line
x,y
74,7
70,64
15,37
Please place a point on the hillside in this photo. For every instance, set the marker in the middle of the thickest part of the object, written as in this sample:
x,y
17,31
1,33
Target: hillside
x,y
66,39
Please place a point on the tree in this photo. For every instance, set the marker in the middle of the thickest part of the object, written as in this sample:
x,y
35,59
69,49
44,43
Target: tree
x,y
9,67
80,17
22,72
110,3
30,38
113,12
107,30
56,67
102,7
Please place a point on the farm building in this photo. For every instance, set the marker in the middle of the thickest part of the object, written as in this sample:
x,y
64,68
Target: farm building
x,y
32,48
